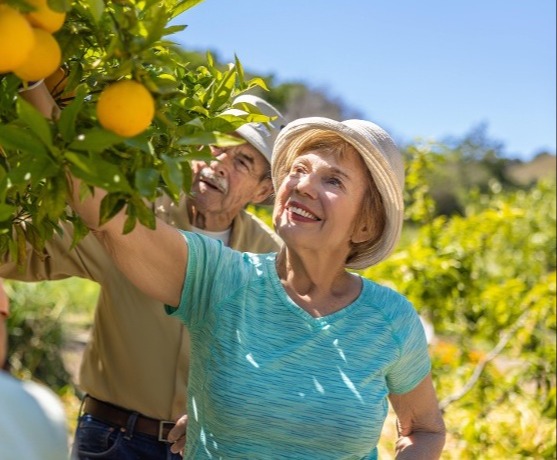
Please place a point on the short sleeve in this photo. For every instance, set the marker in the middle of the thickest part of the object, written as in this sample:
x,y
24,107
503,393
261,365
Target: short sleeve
x,y
213,272
414,362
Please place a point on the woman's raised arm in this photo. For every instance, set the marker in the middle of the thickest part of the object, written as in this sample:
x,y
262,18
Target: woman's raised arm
x,y
154,260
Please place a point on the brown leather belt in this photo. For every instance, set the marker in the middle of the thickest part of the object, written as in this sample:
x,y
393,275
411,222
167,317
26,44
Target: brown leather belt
x,y
120,417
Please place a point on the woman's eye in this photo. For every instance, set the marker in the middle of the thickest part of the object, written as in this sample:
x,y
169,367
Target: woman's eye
x,y
334,181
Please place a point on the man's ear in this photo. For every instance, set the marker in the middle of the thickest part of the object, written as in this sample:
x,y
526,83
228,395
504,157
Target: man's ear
x,y
263,190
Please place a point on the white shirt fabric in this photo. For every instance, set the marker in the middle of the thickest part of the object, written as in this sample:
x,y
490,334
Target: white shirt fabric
x,y
32,421
223,236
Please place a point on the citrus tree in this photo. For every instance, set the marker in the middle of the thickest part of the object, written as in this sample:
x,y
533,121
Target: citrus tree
x,y
134,112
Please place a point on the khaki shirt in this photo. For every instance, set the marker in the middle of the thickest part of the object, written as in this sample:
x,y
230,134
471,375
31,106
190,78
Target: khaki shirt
x,y
137,356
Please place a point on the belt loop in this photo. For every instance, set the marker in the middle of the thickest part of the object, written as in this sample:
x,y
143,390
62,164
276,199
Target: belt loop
x,y
130,427
81,404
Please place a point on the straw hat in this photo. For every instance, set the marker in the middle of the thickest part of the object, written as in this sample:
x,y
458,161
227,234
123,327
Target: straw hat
x,y
259,135
382,158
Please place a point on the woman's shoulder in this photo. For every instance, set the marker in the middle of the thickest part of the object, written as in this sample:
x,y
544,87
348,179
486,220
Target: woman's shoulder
x,y
393,305
384,294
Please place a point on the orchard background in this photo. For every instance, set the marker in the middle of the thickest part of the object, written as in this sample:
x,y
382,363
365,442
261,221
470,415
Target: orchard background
x,y
477,257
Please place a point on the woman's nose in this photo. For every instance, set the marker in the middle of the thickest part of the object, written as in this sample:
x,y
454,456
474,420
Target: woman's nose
x,y
305,185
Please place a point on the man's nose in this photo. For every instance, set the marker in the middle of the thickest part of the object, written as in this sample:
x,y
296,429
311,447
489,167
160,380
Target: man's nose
x,y
218,165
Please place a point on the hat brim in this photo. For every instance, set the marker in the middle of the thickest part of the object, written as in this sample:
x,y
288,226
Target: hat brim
x,y
381,157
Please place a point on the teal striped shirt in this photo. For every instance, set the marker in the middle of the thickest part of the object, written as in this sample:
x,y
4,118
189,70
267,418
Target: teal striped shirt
x,y
269,381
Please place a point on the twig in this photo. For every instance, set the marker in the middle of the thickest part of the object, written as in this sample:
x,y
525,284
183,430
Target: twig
x,y
481,365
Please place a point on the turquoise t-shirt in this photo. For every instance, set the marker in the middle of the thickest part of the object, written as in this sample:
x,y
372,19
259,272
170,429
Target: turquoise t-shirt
x,y
269,381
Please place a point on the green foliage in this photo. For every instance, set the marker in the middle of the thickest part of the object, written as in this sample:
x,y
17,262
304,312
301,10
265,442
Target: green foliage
x,y
42,317
473,162
486,281
102,43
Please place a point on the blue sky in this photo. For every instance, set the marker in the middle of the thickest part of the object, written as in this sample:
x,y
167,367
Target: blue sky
x,y
427,69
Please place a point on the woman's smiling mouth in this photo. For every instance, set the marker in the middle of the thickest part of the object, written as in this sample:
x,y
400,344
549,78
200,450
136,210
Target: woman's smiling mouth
x,y
298,211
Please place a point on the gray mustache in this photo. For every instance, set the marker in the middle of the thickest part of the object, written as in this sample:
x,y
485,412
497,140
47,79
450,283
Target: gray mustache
x,y
208,175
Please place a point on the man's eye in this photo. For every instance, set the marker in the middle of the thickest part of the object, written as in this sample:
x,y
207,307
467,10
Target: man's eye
x,y
241,163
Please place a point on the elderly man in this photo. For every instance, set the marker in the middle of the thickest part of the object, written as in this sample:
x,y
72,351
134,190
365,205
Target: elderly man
x,y
135,382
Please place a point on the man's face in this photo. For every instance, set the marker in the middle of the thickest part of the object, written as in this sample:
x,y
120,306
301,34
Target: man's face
x,y
231,181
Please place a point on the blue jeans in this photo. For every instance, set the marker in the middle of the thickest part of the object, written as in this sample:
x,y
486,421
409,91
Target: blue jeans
x,y
95,439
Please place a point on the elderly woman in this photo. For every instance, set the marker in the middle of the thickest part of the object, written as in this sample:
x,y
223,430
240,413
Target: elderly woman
x,y
293,355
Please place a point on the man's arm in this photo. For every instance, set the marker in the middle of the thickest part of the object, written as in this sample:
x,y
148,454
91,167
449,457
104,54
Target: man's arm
x,y
420,423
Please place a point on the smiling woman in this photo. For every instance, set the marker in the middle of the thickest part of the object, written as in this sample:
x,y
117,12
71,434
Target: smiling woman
x,y
291,343
383,204
292,354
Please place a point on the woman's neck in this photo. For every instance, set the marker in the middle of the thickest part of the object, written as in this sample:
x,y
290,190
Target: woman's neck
x,y
318,287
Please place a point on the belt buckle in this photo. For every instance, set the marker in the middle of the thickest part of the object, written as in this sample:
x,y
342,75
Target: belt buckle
x,y
162,425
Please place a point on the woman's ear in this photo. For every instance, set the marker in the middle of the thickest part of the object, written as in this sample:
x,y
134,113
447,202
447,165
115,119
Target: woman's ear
x,y
364,228
362,232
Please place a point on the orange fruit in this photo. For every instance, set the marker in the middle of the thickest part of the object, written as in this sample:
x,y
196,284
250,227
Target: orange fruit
x,y
45,17
45,57
16,39
126,108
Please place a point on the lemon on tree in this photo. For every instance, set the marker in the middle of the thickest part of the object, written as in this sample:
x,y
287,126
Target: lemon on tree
x,y
45,17
126,108
16,39
45,57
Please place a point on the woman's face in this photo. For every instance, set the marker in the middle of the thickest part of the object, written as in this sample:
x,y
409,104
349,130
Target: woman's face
x,y
318,202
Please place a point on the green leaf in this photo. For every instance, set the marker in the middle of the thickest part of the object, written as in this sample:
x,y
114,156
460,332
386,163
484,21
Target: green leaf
x,y
145,214
33,169
96,8
96,140
98,172
111,205
220,94
230,123
53,198
6,212
60,5
209,138
80,230
184,5
12,137
130,222
67,120
240,69
173,175
173,30
146,182
35,120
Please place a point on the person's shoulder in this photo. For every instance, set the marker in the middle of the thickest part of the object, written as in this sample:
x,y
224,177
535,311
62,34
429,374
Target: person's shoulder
x,y
388,300
384,293
32,396
254,235
35,412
